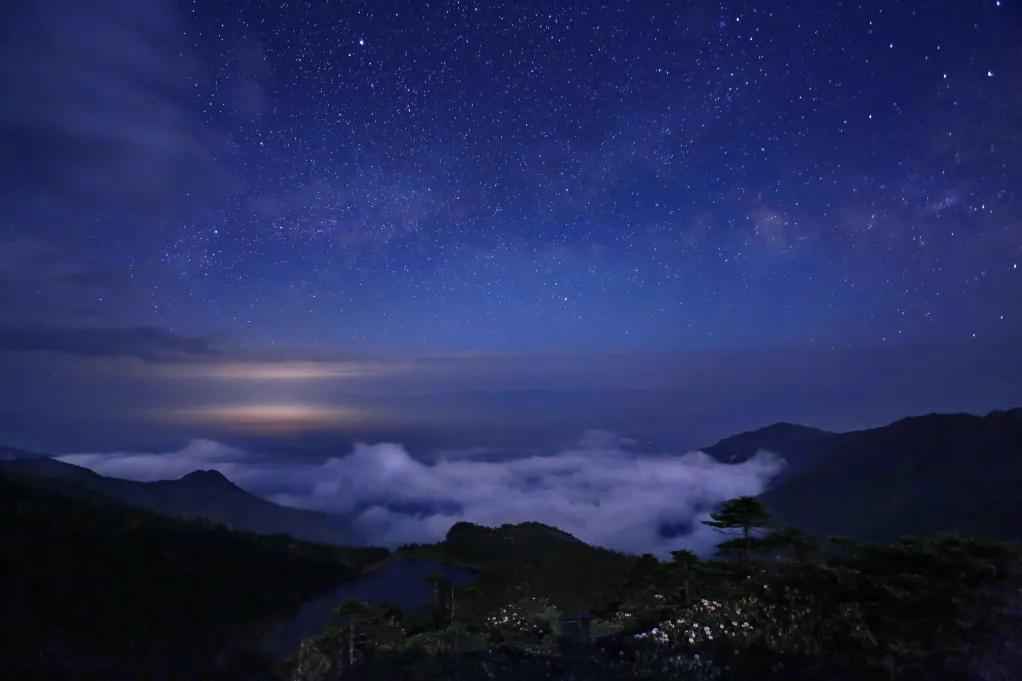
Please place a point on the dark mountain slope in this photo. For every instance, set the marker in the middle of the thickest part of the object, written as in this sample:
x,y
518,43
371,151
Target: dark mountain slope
x,y
920,475
99,590
794,441
204,494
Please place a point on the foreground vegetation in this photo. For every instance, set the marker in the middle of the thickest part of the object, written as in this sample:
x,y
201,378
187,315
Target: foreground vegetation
x,y
97,590
775,605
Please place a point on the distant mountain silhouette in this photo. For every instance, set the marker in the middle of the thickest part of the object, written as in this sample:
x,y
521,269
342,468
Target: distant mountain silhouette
x,y
788,438
936,473
199,494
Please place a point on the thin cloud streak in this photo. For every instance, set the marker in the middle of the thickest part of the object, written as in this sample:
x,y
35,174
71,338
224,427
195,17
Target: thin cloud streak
x,y
284,370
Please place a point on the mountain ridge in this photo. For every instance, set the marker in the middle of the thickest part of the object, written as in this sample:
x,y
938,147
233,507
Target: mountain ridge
x,y
202,493
789,437
881,483
874,484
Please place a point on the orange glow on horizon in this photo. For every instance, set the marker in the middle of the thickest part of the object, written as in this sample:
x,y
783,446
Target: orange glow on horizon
x,y
270,417
283,370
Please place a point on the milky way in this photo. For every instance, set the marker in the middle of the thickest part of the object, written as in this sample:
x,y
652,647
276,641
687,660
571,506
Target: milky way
x,y
303,182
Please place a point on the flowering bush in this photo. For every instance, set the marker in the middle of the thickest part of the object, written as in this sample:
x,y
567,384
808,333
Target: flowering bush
x,y
786,621
705,621
528,620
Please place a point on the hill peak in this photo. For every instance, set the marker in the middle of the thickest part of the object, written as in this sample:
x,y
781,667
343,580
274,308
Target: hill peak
x,y
780,438
479,541
787,428
208,477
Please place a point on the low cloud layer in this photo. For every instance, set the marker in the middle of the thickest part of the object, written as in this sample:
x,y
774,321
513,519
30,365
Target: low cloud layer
x,y
602,490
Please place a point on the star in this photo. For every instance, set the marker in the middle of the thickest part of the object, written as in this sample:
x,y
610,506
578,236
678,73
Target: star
x,y
426,194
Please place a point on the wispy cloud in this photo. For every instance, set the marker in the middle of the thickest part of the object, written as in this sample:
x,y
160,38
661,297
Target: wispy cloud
x,y
286,370
141,342
97,104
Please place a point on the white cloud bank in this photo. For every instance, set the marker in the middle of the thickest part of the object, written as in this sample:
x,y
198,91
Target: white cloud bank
x,y
600,491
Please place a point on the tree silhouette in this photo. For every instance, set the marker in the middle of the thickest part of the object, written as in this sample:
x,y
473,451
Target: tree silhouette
x,y
740,513
686,562
801,546
354,611
443,600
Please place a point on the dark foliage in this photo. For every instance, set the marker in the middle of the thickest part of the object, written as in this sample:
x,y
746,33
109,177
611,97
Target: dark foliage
x,y
940,608
96,590
530,558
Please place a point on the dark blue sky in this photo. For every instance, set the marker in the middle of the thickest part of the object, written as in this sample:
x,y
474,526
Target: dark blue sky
x,y
742,211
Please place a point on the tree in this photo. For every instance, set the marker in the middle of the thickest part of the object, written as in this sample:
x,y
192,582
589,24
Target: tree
x,y
443,600
363,628
686,561
645,571
354,611
741,513
801,546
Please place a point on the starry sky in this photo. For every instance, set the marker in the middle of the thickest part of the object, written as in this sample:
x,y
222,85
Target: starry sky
x,y
498,224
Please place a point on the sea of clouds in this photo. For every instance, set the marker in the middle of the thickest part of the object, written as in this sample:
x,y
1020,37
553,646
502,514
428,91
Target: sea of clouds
x,y
601,490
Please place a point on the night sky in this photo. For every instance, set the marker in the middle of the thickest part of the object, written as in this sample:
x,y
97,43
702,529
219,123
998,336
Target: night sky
x,y
292,226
